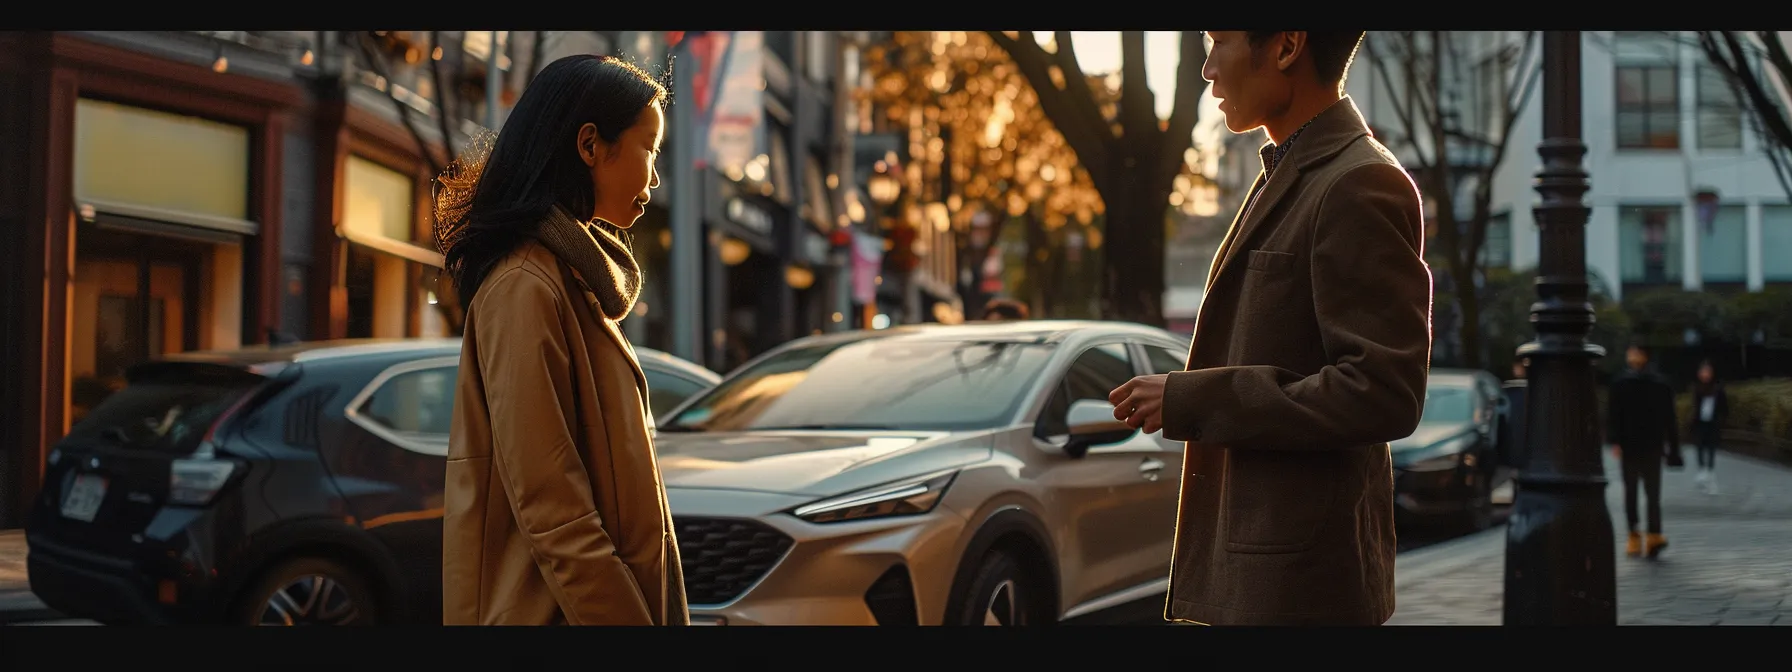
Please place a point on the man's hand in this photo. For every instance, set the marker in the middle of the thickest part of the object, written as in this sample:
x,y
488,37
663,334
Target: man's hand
x,y
1140,402
1617,452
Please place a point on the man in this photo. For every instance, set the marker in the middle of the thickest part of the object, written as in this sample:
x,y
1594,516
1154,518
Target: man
x,y
1310,354
1001,310
1643,429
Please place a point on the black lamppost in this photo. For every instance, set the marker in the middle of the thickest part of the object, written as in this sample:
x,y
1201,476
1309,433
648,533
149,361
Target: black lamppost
x,y
1560,557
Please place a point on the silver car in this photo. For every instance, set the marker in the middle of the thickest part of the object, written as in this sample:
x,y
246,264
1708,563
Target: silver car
x,y
931,474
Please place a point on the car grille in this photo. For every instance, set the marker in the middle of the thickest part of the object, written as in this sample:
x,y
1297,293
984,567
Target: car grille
x,y
723,557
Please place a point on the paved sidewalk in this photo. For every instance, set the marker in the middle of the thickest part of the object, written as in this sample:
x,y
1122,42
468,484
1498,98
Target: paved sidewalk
x,y
1728,562
16,601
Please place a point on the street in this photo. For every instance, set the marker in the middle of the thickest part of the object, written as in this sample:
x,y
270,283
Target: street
x,y
1729,562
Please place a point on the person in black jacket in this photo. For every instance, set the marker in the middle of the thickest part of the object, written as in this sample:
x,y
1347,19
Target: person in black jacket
x,y
1642,430
1710,407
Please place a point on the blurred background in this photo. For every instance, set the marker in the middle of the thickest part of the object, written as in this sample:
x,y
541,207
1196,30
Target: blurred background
x,y
170,191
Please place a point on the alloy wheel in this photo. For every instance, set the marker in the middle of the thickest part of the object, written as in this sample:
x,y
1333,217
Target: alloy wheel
x,y
312,599
1001,609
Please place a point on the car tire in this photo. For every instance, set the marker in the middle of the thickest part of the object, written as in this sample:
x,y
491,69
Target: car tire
x,y
1000,593
308,591
1477,514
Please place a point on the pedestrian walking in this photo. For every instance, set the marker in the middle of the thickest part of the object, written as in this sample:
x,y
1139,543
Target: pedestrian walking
x,y
1311,355
1711,407
1643,430
555,512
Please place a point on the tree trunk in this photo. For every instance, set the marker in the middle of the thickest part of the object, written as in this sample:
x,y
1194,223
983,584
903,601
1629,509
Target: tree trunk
x,y
1133,243
1038,251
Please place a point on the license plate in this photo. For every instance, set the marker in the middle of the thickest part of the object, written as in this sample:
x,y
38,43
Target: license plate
x,y
84,498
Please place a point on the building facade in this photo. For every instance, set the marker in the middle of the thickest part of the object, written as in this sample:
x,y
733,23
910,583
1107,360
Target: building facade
x,y
1662,128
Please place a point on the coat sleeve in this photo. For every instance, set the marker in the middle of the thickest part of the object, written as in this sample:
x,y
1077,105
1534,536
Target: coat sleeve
x,y
1670,417
525,362
1372,295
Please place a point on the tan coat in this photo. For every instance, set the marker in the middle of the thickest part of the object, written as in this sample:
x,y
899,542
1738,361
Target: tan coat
x,y
1310,354
555,509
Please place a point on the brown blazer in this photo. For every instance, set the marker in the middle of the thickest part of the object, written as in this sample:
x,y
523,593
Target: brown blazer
x,y
555,509
1310,354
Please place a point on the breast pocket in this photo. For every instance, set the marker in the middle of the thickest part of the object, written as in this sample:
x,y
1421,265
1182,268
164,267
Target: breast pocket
x,y
1268,283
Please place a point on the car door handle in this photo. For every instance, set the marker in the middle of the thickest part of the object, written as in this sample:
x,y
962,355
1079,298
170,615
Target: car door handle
x,y
1151,467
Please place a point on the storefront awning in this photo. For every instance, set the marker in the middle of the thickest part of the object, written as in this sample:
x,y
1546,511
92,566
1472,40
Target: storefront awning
x,y
397,248
164,221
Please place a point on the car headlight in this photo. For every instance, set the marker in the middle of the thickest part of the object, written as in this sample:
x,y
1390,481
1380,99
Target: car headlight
x,y
904,498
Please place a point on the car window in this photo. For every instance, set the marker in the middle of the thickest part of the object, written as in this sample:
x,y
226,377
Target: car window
x,y
666,390
1164,360
419,402
1448,404
1094,374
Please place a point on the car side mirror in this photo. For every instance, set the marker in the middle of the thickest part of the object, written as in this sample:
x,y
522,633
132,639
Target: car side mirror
x,y
1092,423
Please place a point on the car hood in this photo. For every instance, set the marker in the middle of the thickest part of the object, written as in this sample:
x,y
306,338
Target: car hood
x,y
1431,433
817,463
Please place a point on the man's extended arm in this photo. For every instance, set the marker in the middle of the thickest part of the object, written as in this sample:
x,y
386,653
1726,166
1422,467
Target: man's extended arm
x,y
1372,295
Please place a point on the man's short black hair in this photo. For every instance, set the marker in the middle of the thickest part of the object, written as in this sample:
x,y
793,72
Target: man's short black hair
x,y
1004,309
1333,50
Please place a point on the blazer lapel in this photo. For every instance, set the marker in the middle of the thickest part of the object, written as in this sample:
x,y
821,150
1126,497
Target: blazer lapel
x,y
1225,246
1280,181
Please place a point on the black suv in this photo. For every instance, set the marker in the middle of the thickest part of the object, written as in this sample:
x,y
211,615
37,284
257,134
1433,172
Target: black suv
x,y
289,485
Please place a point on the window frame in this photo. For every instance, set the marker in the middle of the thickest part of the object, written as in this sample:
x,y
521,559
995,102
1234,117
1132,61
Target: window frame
x,y
1055,384
1645,108
416,442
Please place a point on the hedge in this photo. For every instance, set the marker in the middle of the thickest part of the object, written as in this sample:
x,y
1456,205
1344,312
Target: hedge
x,y
1760,410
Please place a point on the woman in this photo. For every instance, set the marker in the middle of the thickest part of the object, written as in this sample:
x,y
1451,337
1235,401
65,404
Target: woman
x,y
555,513
1710,406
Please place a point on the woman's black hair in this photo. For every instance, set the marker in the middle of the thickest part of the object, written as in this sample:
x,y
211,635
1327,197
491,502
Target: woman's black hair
x,y
494,195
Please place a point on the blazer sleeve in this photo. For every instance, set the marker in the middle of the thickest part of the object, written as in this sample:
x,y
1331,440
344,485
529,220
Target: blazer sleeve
x,y
524,357
1372,295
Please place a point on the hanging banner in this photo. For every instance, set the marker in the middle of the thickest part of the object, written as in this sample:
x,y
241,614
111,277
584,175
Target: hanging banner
x,y
867,262
728,82
736,126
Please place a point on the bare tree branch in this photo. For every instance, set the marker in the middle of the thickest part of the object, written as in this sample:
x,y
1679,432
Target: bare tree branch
x,y
364,43
1189,87
1138,105
444,97
1407,124
1089,140
1075,82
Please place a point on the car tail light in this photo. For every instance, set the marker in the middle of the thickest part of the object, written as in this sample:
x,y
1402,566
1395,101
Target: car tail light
x,y
195,481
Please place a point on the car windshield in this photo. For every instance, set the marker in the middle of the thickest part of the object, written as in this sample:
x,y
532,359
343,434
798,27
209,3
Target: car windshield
x,y
1448,404
873,383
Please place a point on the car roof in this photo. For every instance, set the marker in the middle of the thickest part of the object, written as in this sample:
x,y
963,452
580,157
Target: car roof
x,y
1466,377
309,351
1035,331
268,357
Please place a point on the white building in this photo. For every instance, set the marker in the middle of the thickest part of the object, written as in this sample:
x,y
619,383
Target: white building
x,y
1660,126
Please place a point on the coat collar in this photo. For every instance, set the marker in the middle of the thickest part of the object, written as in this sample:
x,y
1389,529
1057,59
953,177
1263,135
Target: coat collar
x,y
1321,139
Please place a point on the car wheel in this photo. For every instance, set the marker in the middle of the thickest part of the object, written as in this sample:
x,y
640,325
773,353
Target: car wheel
x,y
1000,593
308,591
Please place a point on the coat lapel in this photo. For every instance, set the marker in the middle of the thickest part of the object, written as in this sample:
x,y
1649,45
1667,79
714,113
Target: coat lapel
x,y
597,311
